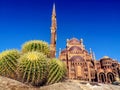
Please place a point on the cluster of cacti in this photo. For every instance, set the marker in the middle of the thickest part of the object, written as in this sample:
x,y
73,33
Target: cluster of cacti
x,y
8,63
33,65
32,68
36,45
57,71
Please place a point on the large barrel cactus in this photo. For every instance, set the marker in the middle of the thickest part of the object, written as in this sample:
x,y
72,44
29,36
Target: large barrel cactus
x,y
32,68
36,45
8,63
57,71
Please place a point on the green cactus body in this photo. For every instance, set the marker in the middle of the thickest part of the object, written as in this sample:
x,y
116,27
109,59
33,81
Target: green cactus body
x,y
36,45
57,71
32,68
8,63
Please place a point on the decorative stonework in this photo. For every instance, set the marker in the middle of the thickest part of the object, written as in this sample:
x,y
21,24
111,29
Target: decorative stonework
x,y
82,64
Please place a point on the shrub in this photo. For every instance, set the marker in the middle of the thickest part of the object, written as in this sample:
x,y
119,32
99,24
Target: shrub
x,y
8,63
36,45
57,71
32,68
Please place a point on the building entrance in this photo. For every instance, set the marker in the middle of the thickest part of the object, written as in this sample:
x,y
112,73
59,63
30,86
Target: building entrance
x,y
102,78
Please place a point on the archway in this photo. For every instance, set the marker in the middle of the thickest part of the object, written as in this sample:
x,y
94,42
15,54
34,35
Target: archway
x,y
110,77
102,78
118,70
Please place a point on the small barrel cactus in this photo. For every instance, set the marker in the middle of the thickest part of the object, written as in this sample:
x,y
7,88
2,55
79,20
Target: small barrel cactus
x,y
57,71
32,68
36,45
8,63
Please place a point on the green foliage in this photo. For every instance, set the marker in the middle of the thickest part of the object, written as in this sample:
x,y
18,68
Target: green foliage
x,y
8,63
32,68
36,45
57,71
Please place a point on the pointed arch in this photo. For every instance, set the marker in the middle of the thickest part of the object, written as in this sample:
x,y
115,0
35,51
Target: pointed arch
x,y
110,77
102,77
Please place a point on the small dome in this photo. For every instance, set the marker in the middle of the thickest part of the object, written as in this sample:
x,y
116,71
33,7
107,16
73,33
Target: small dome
x,y
105,57
63,51
75,48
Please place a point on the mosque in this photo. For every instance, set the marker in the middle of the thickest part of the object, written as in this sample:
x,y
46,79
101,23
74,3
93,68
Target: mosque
x,y
80,63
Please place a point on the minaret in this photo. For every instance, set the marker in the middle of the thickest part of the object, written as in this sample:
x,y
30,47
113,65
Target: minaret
x,y
91,54
53,34
94,58
59,51
90,51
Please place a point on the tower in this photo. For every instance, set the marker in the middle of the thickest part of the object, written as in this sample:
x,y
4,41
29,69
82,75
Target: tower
x,y
53,33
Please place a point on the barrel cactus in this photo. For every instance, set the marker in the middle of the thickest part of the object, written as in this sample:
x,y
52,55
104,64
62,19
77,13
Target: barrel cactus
x,y
57,71
8,63
36,45
32,68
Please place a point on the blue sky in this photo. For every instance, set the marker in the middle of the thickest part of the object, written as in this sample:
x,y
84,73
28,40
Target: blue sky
x,y
96,21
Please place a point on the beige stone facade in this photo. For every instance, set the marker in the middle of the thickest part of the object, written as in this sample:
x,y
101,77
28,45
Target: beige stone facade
x,y
82,65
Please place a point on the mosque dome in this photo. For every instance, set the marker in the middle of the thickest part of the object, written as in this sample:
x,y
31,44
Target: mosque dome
x,y
75,48
77,59
74,41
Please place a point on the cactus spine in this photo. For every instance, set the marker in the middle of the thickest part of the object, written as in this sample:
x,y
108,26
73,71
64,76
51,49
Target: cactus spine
x,y
32,68
8,63
57,71
36,45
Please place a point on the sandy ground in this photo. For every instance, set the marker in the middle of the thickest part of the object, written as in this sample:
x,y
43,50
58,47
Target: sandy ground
x,y
9,84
